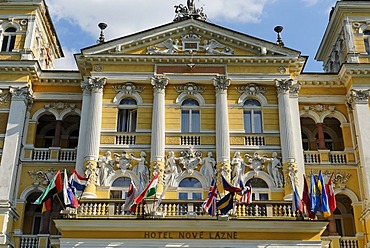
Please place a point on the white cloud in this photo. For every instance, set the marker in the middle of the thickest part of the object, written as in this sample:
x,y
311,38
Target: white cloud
x,y
126,16
310,2
68,62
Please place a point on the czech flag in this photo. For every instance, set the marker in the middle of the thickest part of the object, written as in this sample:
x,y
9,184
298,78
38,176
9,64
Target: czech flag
x,y
297,202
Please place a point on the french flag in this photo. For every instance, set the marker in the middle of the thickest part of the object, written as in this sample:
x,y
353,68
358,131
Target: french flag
x,y
77,181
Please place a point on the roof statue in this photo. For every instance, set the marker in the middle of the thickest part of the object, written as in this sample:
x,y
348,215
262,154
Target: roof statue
x,y
189,12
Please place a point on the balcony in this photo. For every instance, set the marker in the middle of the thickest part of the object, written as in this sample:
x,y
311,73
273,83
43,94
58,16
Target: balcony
x,y
51,154
329,157
125,139
106,209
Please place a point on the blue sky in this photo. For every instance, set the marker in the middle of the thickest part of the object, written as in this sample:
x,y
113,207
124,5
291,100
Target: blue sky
x,y
304,21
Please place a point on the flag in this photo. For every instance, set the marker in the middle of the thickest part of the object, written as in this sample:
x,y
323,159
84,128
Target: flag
x,y
324,197
314,195
67,201
297,202
226,203
54,187
77,181
331,195
227,186
150,190
247,195
209,205
306,199
131,194
47,206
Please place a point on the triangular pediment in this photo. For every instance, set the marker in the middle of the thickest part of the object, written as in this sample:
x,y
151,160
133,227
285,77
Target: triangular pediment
x,y
190,37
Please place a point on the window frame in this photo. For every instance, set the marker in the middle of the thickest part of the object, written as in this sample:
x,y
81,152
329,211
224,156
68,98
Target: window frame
x,y
123,190
192,111
366,36
190,190
10,37
131,113
252,111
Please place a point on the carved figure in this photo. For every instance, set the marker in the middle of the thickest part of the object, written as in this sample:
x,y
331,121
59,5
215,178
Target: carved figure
x,y
208,167
190,159
170,47
212,46
172,169
191,5
238,165
141,170
105,168
123,161
256,162
274,168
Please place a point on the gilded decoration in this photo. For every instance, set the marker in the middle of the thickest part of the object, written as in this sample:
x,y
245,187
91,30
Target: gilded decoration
x,y
251,89
189,89
292,174
128,88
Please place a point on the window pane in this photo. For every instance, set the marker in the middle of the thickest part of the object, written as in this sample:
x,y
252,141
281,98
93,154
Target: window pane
x,y
251,103
257,116
5,44
183,196
190,183
133,118
12,43
116,194
128,101
195,121
197,196
264,197
367,45
247,121
190,102
185,121
123,182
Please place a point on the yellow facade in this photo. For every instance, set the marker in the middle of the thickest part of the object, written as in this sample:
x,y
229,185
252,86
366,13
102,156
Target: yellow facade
x,y
239,101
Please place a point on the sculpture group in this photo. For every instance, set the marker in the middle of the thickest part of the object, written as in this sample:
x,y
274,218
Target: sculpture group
x,y
188,162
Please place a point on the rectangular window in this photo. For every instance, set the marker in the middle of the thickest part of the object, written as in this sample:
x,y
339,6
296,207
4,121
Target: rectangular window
x,y
183,196
127,120
4,46
257,121
247,121
197,196
195,121
185,119
367,45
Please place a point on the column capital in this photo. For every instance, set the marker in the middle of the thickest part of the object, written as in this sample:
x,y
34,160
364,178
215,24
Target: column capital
x,y
22,94
285,86
159,83
97,84
358,96
221,83
86,87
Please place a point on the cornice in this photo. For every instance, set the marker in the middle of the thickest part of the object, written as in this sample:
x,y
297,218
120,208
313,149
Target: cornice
x,y
349,71
320,80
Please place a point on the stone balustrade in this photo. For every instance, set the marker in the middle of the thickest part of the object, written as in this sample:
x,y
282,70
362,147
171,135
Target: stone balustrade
x,y
51,154
329,157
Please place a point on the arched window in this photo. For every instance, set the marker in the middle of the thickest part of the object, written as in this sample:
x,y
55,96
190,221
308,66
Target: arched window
x,y
8,40
252,116
260,189
190,116
127,115
190,188
119,188
367,41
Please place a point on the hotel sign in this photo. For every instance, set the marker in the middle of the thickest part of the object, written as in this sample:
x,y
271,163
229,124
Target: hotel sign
x,y
191,235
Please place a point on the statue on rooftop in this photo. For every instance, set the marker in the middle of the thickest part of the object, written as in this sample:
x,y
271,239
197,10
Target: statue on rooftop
x,y
191,5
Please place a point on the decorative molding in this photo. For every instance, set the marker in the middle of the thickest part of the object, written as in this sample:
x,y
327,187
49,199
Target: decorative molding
x,y
221,83
319,108
22,93
251,89
5,97
190,89
285,86
60,106
171,46
159,83
359,95
41,177
97,84
128,88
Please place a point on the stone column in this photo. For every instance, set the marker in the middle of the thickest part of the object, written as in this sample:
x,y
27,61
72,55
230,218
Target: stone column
x,y
93,134
57,134
290,131
358,101
321,136
221,84
158,142
85,113
20,101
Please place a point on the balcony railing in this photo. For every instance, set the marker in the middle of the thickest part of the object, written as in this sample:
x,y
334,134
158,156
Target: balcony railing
x,y
329,157
184,209
190,140
125,139
29,241
348,242
254,140
54,154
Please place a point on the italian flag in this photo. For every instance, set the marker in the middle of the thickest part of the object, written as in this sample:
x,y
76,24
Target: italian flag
x,y
55,185
150,190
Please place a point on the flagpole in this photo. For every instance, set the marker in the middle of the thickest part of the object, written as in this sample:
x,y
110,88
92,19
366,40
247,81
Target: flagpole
x,y
60,201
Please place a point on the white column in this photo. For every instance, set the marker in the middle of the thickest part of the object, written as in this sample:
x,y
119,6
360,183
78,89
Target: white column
x,y
158,119
289,122
21,98
85,113
94,119
359,102
221,84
